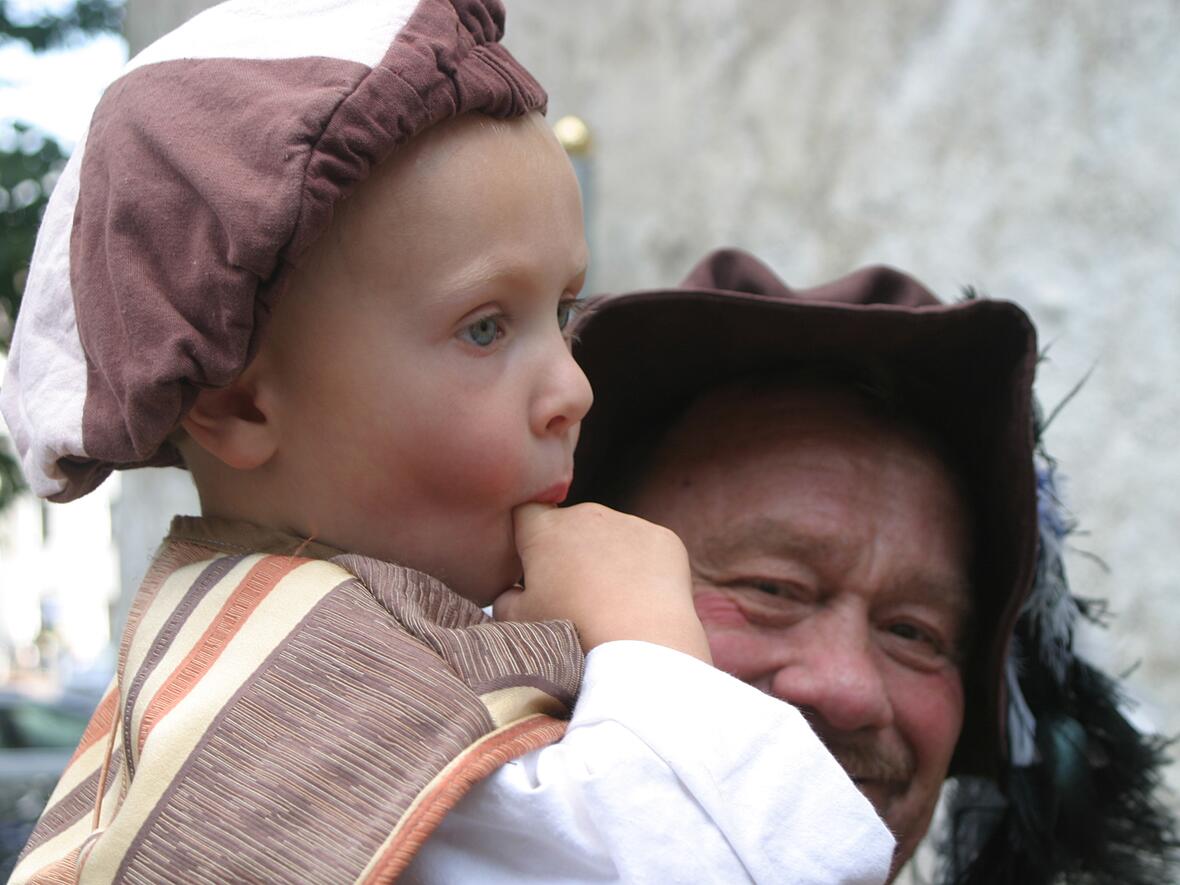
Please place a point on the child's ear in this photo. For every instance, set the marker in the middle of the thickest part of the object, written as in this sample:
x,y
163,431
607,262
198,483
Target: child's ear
x,y
233,425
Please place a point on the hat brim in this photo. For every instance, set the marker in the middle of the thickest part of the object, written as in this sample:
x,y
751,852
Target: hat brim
x,y
967,369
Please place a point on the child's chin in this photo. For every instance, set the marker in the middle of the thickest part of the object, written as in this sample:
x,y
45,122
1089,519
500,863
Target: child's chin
x,y
484,593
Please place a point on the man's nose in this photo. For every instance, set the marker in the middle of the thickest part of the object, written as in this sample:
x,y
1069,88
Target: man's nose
x,y
835,675
564,397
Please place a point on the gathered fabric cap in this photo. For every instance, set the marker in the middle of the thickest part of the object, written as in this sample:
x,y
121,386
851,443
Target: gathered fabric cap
x,y
210,166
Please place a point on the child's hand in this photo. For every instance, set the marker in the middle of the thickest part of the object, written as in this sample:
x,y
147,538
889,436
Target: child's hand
x,y
615,576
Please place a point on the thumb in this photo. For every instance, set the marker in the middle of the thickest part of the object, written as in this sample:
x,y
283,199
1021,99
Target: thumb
x,y
526,522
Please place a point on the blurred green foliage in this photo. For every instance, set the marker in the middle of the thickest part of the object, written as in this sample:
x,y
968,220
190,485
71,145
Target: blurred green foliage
x,y
47,30
30,162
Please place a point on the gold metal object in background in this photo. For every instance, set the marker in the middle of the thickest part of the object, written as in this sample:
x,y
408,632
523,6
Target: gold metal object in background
x,y
574,135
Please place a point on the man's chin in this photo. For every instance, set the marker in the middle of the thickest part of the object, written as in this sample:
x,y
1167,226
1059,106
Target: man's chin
x,y
884,795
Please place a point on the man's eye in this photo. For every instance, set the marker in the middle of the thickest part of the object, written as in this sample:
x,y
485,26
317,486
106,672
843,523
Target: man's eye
x,y
919,640
912,633
483,331
567,310
781,589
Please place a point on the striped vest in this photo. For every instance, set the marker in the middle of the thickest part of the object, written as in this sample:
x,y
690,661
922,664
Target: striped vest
x,y
284,712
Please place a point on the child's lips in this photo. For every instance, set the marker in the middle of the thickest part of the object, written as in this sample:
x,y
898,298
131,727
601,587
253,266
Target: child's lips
x,y
555,494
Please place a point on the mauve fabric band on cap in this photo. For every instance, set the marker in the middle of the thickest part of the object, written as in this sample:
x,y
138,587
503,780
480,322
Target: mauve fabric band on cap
x,y
210,166
963,370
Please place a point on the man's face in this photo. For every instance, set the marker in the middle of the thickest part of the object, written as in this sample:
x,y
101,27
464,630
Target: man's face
x,y
424,384
830,559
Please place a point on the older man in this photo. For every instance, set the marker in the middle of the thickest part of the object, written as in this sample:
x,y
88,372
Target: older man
x,y
852,471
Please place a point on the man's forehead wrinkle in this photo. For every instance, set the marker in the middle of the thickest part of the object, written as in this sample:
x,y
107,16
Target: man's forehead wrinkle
x,y
942,590
914,574
765,535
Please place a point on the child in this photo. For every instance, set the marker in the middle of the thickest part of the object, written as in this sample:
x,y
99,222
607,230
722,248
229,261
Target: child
x,y
289,704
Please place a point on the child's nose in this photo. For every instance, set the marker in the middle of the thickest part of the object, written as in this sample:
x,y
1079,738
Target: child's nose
x,y
565,399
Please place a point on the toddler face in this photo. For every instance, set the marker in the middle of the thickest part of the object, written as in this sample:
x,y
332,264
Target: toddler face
x,y
426,386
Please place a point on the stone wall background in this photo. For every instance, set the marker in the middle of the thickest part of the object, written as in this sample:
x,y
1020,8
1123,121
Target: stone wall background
x,y
1029,150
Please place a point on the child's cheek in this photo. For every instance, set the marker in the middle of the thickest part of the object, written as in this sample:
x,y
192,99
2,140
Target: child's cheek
x,y
479,473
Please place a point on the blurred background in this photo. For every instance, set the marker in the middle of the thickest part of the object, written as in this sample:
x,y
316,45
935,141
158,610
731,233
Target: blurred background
x,y
1031,151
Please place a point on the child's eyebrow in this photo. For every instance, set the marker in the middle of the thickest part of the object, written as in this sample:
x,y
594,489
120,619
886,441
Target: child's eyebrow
x,y
489,272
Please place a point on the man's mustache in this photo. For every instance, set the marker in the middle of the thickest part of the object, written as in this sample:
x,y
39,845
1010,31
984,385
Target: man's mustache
x,y
871,760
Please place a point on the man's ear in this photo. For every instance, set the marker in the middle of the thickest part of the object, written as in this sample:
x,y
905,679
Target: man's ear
x,y
233,424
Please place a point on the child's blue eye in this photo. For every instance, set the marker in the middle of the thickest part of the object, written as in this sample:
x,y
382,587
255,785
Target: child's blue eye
x,y
566,311
483,331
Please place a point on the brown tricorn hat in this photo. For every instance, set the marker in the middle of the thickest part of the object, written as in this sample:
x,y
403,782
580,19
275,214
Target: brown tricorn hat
x,y
210,166
964,370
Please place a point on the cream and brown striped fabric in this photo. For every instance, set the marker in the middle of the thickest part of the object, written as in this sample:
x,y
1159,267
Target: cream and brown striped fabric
x,y
293,715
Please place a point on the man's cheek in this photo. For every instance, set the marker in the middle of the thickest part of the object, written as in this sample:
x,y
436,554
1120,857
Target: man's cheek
x,y
930,711
718,610
732,641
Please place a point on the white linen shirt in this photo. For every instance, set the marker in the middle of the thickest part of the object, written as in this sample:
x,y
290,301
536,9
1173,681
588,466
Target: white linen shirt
x,y
671,771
